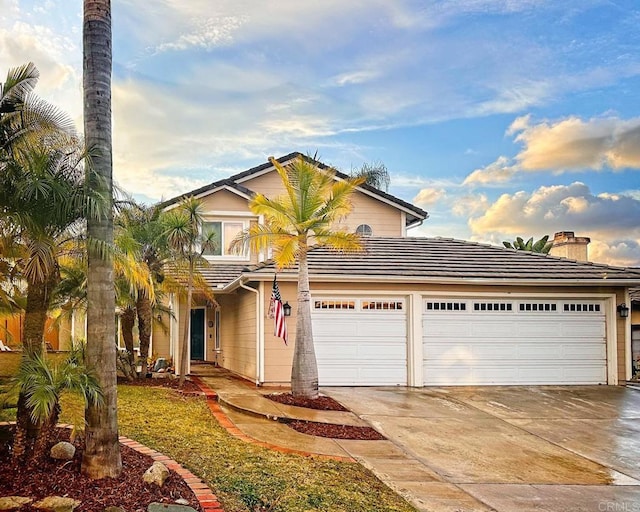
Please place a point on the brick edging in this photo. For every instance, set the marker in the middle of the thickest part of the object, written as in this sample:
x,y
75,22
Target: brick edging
x,y
224,421
208,501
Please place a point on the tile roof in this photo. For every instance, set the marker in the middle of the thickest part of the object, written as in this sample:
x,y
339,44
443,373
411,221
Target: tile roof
x,y
416,214
445,259
634,293
219,275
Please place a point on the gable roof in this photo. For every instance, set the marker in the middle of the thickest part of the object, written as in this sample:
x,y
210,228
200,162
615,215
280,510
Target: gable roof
x,y
446,260
414,215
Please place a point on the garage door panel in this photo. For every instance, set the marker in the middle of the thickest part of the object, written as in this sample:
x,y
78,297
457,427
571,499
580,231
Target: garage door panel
x,y
361,346
512,345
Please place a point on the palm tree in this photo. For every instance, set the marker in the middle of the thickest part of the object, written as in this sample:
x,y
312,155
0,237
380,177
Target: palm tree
x,y
302,218
374,174
42,385
187,243
102,453
542,246
141,228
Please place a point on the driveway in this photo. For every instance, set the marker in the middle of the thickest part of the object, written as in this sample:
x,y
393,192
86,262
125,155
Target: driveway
x,y
508,449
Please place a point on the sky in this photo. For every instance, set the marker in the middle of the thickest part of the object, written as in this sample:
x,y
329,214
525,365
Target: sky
x,y
501,118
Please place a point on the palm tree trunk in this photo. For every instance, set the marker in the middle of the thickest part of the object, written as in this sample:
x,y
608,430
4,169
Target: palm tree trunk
x,y
127,322
25,432
184,349
45,436
102,452
304,370
143,307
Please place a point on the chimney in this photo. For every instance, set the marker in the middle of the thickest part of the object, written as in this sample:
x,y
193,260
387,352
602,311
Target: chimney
x,y
567,245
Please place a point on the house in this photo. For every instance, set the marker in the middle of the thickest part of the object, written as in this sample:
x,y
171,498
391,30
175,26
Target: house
x,y
406,311
634,296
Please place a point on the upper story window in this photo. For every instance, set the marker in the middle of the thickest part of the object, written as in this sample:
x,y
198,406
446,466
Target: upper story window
x,y
225,231
364,230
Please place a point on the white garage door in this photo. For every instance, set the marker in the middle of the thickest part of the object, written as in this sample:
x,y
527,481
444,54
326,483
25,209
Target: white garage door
x,y
496,341
360,341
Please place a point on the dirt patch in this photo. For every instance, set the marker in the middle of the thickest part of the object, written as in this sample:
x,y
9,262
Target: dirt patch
x,y
57,478
322,403
337,431
167,382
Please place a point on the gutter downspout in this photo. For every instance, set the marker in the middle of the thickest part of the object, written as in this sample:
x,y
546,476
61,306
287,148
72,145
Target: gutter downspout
x,y
259,330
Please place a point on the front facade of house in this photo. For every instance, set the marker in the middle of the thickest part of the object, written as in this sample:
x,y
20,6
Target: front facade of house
x,y
406,311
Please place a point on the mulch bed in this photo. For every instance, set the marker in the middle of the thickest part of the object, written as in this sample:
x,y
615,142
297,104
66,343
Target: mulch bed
x,y
337,431
322,403
59,478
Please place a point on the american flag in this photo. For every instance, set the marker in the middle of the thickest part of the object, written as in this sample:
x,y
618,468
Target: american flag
x,y
277,312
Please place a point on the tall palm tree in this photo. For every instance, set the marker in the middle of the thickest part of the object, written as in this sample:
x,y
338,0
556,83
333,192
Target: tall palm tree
x,y
187,242
295,222
374,174
102,454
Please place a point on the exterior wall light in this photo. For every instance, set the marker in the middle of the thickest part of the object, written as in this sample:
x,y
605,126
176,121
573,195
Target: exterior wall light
x,y
287,309
623,310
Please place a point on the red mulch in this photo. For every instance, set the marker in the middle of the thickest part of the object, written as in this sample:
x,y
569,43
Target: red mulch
x,y
337,431
322,403
60,478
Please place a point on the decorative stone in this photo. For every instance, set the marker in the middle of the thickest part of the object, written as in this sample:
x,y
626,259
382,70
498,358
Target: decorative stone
x,y
57,504
13,502
182,501
165,507
114,509
63,451
156,474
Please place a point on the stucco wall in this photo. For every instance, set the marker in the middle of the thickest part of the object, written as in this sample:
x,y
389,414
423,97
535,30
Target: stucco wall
x,y
224,201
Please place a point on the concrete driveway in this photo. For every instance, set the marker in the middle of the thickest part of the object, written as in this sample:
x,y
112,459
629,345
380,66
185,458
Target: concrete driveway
x,y
504,448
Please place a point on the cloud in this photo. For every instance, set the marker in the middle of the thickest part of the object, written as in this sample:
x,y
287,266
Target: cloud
x,y
607,218
427,197
497,173
576,144
469,205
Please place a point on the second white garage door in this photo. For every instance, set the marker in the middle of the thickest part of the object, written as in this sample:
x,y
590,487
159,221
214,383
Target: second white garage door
x,y
505,341
360,341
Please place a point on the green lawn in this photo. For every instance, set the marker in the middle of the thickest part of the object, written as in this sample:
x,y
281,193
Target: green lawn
x,y
244,477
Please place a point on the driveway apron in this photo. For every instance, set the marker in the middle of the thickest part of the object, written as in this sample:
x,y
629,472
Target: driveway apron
x,y
508,449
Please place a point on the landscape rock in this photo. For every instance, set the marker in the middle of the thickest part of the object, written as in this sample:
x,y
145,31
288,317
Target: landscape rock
x,y
182,501
13,502
57,504
156,474
63,451
165,507
114,509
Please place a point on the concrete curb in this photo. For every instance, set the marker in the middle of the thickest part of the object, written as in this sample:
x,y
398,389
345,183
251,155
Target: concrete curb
x,y
208,501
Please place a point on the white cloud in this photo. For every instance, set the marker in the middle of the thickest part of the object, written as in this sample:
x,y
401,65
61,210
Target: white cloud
x,y
576,144
427,197
496,173
605,218
469,205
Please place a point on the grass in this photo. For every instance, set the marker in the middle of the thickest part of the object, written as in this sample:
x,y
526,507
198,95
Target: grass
x,y
245,477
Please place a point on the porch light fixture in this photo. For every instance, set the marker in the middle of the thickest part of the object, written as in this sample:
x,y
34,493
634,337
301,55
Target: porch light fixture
x,y
623,310
287,309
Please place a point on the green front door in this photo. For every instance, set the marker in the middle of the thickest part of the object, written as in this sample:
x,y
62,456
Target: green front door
x,y
197,334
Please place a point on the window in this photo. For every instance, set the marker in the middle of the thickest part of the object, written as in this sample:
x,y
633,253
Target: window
x,y
582,308
364,230
537,306
369,305
446,306
225,232
492,306
334,304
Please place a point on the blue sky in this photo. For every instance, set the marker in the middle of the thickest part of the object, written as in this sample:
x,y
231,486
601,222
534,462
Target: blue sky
x,y
499,117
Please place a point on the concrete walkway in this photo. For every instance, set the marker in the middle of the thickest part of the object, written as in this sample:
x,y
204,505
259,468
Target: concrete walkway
x,y
469,449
